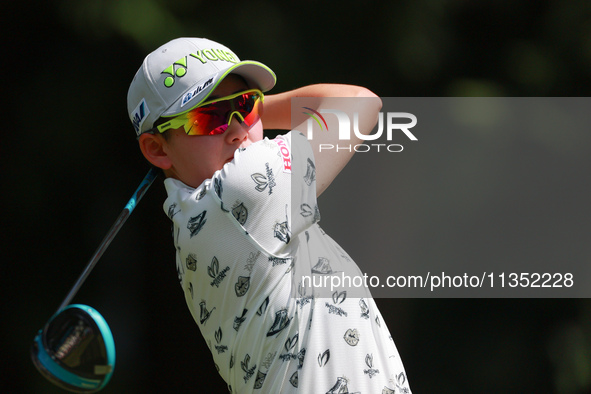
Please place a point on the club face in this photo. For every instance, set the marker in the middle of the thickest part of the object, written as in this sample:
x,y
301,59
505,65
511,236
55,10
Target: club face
x,y
75,350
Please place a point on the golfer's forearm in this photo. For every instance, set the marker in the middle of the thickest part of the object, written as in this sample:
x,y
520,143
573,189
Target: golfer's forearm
x,y
277,107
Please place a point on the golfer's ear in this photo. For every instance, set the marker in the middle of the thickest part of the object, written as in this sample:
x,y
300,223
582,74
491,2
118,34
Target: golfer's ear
x,y
152,147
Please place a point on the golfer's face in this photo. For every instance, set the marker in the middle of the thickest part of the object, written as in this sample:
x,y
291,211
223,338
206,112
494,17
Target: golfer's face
x,y
196,158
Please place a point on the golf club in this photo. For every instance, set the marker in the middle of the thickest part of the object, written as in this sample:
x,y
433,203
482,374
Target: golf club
x,y
75,349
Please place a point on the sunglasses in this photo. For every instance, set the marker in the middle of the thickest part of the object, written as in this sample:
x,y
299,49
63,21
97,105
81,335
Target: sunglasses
x,y
213,117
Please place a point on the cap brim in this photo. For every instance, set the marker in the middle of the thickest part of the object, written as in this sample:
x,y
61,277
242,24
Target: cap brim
x,y
256,74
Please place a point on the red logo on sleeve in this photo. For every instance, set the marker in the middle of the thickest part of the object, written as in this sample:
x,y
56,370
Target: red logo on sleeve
x,y
285,154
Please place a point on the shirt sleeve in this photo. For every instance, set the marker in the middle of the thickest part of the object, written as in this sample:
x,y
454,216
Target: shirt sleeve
x,y
270,190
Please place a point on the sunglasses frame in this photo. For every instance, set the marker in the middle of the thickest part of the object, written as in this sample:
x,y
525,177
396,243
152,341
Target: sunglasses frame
x,y
180,120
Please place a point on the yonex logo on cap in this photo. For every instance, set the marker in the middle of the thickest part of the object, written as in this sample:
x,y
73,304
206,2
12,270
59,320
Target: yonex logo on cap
x,y
215,54
179,68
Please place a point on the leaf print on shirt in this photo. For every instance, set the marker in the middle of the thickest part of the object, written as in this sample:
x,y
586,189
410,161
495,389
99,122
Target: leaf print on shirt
x,y
263,308
289,346
401,383
245,367
369,362
217,187
172,210
180,270
291,342
323,358
307,211
337,298
303,299
251,260
218,338
196,223
264,181
310,173
214,272
201,194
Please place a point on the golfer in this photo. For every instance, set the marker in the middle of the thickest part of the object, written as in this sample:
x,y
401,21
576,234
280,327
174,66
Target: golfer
x,y
246,222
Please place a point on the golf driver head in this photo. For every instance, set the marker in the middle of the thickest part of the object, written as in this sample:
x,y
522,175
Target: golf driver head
x,y
75,350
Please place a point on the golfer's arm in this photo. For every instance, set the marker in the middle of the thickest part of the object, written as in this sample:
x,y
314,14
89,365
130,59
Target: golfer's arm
x,y
329,162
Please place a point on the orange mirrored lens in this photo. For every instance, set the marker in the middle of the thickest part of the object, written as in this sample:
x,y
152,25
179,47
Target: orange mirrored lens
x,y
214,118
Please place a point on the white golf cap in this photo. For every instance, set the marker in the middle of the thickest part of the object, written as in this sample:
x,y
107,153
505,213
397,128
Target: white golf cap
x,y
181,74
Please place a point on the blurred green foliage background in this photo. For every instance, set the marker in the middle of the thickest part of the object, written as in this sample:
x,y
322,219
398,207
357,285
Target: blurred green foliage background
x,y
70,162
